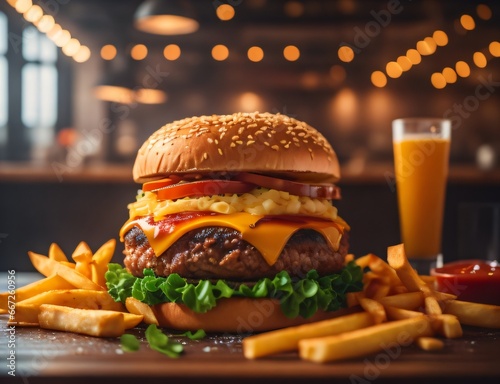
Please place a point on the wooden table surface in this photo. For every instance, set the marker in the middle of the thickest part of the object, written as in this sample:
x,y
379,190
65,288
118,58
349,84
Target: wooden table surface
x,y
43,356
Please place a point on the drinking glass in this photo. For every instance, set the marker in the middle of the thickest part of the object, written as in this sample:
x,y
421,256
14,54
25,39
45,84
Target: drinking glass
x,y
421,155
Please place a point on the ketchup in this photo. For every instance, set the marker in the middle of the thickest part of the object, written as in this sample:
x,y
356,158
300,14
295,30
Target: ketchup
x,y
470,280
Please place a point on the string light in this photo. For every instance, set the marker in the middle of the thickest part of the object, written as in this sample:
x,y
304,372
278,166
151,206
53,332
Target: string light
x,y
71,47
405,63
291,53
225,12
440,38
33,14
379,79
462,68
467,22
220,52
255,54
82,55
46,23
483,11
22,6
450,75
345,54
393,69
438,80
108,52
172,52
479,59
414,57
494,48
139,52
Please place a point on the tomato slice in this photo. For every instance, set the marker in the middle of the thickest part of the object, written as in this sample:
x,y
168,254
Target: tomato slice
x,y
203,188
155,184
315,191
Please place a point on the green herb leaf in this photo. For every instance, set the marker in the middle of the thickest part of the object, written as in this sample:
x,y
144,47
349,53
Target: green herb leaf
x,y
160,342
129,342
199,334
298,297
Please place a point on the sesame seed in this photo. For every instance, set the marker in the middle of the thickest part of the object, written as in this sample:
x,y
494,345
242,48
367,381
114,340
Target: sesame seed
x,y
250,137
239,142
250,142
216,141
266,143
283,141
205,155
235,137
232,145
275,147
220,151
210,140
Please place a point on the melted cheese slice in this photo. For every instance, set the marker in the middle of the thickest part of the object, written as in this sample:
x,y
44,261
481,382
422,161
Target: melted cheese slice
x,y
268,236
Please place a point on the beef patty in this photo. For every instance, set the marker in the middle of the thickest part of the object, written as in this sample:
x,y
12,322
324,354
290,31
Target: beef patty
x,y
219,252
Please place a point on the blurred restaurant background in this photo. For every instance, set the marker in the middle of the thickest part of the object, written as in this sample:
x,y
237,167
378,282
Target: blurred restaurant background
x,y
84,82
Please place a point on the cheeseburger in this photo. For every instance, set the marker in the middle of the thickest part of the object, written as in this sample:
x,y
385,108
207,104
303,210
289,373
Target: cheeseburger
x,y
234,229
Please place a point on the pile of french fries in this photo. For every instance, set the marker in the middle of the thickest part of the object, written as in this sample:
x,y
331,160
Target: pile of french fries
x,y
72,297
396,307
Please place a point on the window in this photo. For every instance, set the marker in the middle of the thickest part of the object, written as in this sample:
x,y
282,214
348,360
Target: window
x,y
39,87
4,97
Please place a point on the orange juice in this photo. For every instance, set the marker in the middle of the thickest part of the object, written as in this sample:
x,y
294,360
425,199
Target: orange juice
x,y
421,165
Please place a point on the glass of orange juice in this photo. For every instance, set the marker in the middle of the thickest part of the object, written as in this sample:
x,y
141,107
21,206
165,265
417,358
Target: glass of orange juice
x,y
421,156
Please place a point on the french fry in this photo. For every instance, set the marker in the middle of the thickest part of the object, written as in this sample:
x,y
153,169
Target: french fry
x,y
131,320
364,341
376,289
47,267
397,259
375,309
99,263
380,267
410,300
352,298
364,261
48,284
430,343
475,314
348,258
447,326
27,310
432,306
394,313
82,256
56,253
90,322
288,339
139,308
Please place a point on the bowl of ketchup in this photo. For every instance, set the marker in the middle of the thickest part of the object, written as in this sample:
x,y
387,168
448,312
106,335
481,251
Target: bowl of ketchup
x,y
470,280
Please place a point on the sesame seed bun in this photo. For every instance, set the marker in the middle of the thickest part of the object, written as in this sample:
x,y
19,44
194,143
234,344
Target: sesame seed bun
x,y
264,143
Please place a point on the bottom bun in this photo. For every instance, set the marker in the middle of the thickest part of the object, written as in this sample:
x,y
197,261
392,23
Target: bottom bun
x,y
235,315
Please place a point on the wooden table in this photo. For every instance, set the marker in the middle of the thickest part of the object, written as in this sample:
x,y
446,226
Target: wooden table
x,y
55,357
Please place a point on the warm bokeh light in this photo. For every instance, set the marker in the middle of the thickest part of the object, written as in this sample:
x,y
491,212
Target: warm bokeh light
x,y
255,54
414,56
479,59
172,52
71,47
291,53
114,94
337,74
462,68
220,52
108,52
150,96
393,69
426,47
46,23
23,5
225,12
440,37
346,54
379,79
438,80
294,9
310,80
62,38
405,63
54,31
467,22
139,52
450,75
33,14
344,109
82,55
250,102
494,48
483,11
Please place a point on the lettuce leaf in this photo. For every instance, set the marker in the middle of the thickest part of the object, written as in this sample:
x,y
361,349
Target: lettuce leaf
x,y
297,297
